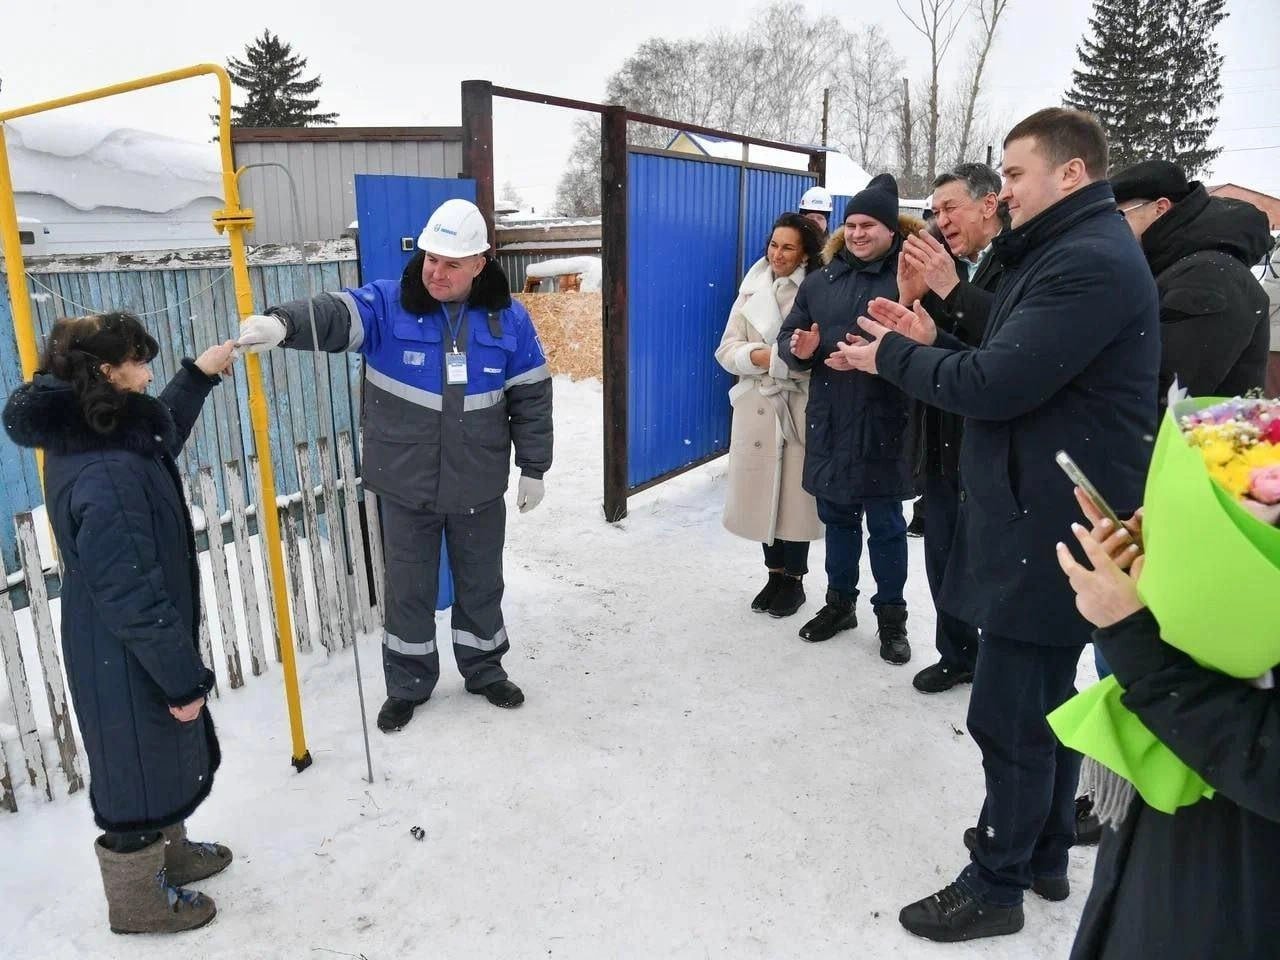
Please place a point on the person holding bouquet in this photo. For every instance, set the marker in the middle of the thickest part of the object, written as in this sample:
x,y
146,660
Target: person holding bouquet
x,y
1200,882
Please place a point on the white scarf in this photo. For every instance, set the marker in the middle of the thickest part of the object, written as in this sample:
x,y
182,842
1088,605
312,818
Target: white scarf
x,y
761,292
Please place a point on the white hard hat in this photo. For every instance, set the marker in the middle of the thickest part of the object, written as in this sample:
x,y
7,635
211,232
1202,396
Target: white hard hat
x,y
816,198
456,229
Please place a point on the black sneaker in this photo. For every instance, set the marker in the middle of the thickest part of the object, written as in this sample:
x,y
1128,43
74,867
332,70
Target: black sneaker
x,y
1088,826
939,678
837,615
765,597
955,913
396,713
501,693
894,647
789,598
1050,888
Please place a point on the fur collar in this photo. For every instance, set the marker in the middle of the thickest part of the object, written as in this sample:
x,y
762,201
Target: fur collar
x,y
906,225
490,291
46,414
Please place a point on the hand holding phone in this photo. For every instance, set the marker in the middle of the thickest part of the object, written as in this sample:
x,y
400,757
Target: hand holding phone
x,y
1095,507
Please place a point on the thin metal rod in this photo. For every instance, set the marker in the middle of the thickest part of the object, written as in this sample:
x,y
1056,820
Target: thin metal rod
x,y
316,361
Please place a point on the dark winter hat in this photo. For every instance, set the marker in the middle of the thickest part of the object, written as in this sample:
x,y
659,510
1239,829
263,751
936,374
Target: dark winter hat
x,y
879,200
1150,180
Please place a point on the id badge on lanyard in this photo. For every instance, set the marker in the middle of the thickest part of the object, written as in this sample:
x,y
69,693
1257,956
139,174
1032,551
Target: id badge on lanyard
x,y
455,361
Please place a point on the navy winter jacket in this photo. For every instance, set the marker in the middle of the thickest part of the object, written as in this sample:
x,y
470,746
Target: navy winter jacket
x,y
130,594
1069,361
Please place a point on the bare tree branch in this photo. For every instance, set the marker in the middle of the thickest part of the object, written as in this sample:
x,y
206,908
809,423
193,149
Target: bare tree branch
x,y
989,12
938,22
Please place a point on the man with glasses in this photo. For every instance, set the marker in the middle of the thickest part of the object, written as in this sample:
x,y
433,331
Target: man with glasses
x,y
957,291
1214,333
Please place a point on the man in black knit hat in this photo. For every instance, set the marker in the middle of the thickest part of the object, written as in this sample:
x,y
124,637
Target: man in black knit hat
x,y
856,448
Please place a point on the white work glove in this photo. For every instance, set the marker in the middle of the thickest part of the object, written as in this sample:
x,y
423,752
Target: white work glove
x,y
529,494
261,332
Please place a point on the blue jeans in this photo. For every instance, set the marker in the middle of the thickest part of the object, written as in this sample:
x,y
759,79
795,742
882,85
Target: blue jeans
x,y
886,542
1027,824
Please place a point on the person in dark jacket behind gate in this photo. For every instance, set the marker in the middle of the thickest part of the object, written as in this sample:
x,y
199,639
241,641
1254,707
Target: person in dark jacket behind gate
x,y
955,280
1201,882
856,443
1214,330
455,376
1069,361
130,604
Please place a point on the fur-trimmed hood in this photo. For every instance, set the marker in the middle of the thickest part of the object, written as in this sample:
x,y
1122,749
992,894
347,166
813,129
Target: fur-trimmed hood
x,y
907,225
46,414
490,291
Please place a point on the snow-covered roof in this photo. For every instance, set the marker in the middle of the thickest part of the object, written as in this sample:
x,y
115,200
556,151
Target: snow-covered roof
x,y
89,165
844,175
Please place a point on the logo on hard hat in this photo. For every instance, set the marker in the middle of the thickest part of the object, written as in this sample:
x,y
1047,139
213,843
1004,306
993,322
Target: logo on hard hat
x,y
441,228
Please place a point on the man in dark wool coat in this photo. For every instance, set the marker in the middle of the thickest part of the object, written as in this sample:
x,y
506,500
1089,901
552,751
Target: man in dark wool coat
x,y
1068,361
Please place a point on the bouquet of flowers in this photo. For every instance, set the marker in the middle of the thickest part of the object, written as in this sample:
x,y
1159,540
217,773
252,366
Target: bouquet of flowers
x,y
1211,577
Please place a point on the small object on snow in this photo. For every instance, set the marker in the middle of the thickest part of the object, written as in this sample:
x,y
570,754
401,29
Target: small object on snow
x,y
957,731
417,833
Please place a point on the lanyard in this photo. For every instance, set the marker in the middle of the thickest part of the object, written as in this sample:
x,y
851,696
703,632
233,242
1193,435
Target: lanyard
x,y
455,326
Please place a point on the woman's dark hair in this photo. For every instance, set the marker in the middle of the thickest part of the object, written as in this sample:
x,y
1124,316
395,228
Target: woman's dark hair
x,y
810,238
78,346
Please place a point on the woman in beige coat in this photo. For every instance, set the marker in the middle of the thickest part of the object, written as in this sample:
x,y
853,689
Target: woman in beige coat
x,y
766,501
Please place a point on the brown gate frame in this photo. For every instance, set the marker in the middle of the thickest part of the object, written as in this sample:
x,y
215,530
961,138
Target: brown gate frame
x,y
477,164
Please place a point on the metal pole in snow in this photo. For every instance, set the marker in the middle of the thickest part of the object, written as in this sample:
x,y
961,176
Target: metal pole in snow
x,y
316,358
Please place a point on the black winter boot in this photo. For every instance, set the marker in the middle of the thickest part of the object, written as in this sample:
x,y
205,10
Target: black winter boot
x,y
837,615
1088,826
789,598
956,913
501,693
396,713
894,647
765,597
938,678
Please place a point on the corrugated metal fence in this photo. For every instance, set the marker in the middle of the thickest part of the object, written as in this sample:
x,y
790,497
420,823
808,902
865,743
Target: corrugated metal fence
x,y
694,225
188,308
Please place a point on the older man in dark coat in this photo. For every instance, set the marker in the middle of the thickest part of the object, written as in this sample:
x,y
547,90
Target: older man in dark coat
x,y
1068,362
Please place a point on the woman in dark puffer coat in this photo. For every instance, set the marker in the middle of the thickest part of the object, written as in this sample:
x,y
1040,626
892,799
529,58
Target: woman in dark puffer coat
x,y
130,603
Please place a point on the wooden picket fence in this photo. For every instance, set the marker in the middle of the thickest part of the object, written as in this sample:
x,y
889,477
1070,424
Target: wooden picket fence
x,y
329,591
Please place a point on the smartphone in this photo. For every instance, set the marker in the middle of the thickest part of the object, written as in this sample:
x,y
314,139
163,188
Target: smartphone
x,y
1080,480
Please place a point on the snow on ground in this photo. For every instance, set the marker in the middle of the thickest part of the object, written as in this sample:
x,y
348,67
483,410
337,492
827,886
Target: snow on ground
x,y
687,779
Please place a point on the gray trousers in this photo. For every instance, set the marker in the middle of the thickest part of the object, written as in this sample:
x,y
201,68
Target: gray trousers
x,y
411,540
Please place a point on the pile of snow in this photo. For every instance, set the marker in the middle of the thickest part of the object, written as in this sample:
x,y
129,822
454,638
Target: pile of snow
x,y
589,267
687,779
88,165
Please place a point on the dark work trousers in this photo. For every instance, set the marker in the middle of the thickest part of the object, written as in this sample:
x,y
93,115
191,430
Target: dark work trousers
x,y
886,542
957,641
1027,824
411,540
789,556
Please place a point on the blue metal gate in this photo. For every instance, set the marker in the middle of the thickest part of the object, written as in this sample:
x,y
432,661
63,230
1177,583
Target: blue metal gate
x,y
391,212
694,225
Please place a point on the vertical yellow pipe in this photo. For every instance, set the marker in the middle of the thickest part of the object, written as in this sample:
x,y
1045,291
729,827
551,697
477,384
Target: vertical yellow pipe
x,y
236,220
24,330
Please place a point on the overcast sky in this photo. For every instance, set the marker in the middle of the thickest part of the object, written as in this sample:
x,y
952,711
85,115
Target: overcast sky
x,y
393,62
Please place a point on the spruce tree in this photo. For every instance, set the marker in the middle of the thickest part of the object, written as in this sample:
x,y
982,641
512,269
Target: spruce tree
x,y
1122,77
277,97
1150,72
1195,89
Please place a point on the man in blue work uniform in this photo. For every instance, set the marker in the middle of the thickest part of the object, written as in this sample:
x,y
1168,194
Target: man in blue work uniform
x,y
455,376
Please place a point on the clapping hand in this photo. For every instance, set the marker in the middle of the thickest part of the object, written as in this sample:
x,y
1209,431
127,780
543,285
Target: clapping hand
x,y
804,343
931,261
